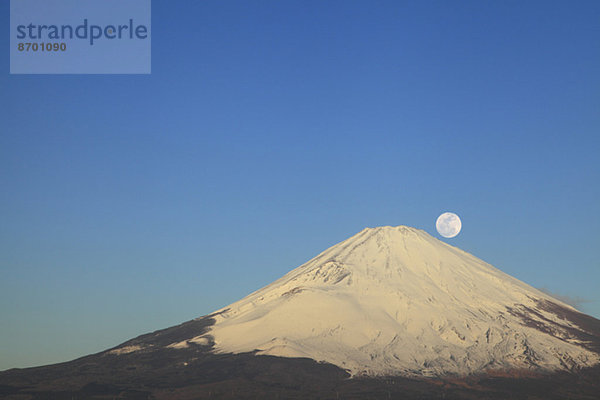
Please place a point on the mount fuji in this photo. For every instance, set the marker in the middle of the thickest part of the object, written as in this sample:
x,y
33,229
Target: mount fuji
x,y
389,310
396,301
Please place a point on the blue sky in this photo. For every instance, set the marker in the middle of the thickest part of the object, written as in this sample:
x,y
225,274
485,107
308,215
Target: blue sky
x,y
269,131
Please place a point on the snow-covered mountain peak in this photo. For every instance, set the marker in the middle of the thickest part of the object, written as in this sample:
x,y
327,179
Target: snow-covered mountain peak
x,y
395,300
391,233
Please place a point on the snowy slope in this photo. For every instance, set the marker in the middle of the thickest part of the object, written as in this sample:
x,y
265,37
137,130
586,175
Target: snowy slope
x,y
394,300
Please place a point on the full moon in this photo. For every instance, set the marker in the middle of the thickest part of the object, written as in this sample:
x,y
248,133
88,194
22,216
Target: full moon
x,y
448,225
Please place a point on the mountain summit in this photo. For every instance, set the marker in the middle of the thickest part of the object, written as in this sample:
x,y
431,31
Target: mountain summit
x,y
397,301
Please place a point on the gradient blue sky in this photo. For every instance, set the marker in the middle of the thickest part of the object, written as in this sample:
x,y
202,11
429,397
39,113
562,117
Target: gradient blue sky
x,y
269,131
